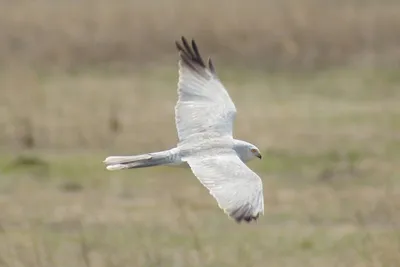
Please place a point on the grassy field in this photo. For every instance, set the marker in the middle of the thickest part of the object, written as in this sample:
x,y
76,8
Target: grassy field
x,y
274,34
331,148
316,84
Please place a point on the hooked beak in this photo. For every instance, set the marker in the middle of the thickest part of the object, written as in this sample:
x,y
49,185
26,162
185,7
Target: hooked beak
x,y
258,155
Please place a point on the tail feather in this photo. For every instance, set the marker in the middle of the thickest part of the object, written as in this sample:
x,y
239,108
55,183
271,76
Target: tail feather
x,y
125,159
138,161
117,167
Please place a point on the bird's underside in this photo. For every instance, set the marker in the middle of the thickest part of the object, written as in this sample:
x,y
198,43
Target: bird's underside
x,y
204,115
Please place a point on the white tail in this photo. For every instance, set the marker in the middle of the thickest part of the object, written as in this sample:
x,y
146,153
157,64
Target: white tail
x,y
116,167
125,159
114,163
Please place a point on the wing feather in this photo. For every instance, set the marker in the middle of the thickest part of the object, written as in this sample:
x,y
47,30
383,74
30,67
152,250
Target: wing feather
x,y
237,189
204,105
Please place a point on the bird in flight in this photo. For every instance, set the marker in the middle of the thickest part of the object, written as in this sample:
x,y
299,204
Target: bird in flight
x,y
204,116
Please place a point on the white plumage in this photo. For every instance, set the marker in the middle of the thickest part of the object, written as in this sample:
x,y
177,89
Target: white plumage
x,y
204,116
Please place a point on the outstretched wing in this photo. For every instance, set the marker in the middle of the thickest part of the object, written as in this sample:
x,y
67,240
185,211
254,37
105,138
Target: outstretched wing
x,y
204,105
237,189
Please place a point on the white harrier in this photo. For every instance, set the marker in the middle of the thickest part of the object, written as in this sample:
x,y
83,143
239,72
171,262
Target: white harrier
x,y
204,116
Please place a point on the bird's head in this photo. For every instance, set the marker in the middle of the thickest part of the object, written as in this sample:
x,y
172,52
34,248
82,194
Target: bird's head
x,y
255,152
246,151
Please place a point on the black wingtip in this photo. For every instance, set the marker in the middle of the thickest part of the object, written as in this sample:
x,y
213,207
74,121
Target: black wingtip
x,y
244,214
197,54
186,45
247,219
190,55
211,65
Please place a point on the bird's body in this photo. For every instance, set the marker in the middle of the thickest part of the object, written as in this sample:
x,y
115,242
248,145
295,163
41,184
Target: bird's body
x,y
176,157
204,116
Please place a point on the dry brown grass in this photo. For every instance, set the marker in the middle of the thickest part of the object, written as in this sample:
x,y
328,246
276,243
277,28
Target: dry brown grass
x,y
289,34
330,139
330,172
119,111
67,210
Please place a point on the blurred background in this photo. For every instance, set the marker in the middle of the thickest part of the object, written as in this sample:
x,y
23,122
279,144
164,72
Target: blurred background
x,y
317,88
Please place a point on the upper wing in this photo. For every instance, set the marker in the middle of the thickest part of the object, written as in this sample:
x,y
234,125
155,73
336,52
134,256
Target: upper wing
x,y
237,189
203,103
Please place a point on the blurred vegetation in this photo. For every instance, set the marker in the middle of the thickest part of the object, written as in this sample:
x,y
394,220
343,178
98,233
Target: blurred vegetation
x,y
275,34
316,84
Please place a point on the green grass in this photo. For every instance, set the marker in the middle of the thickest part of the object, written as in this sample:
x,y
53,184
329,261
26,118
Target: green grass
x,y
330,153
164,217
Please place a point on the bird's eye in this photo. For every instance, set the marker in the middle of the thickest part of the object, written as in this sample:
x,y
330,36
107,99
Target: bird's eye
x,y
253,150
